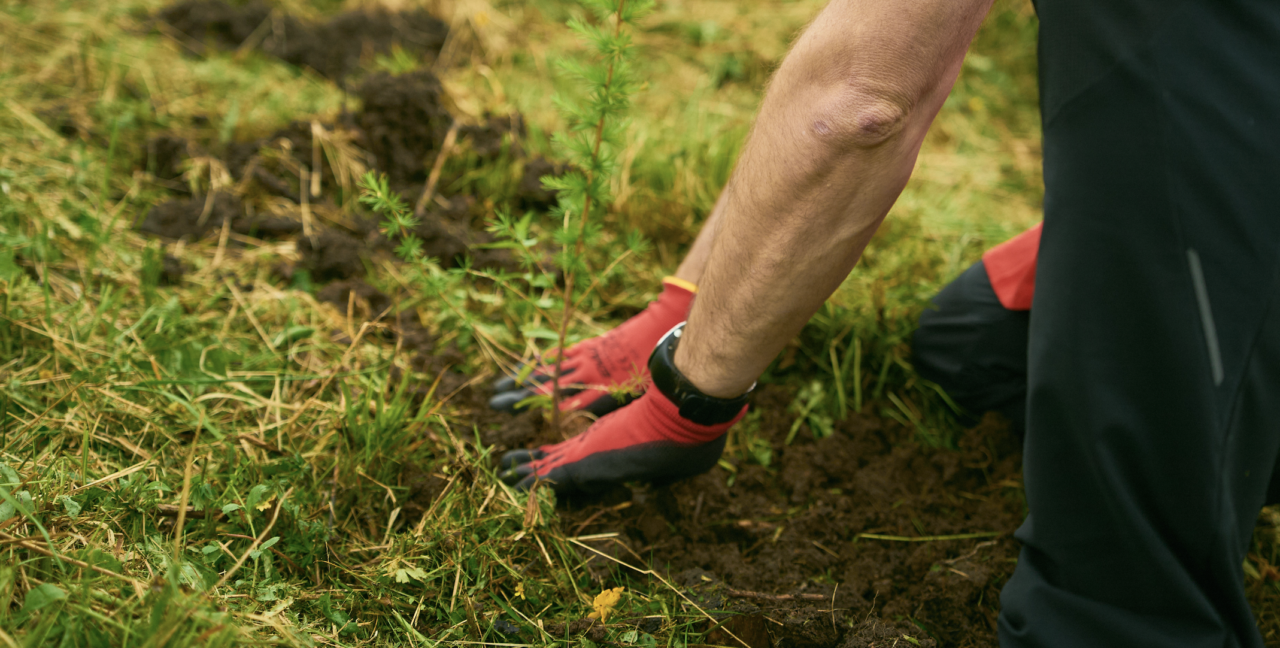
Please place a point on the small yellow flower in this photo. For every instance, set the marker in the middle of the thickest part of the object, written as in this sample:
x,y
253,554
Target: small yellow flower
x,y
605,602
520,590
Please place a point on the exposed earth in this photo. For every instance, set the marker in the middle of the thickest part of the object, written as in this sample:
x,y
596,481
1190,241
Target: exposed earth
x,y
838,542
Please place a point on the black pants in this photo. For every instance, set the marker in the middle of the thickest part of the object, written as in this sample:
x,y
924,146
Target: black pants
x,y
1153,417
975,349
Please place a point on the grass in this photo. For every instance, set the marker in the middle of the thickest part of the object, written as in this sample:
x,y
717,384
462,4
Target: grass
x,y
230,462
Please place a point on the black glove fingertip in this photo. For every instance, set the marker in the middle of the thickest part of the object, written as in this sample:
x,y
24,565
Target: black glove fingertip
x,y
507,401
528,482
513,458
517,475
537,377
607,403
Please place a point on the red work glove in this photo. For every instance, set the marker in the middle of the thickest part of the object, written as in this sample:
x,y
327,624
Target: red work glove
x,y
647,440
592,367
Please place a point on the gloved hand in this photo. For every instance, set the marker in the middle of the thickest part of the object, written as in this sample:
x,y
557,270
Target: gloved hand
x,y
591,367
646,440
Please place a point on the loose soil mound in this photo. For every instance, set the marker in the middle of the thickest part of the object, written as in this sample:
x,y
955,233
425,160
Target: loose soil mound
x,y
840,541
834,542
399,130
334,48
403,119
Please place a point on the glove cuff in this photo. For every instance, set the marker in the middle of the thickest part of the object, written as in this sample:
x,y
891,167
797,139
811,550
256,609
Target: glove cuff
x,y
671,307
676,428
677,282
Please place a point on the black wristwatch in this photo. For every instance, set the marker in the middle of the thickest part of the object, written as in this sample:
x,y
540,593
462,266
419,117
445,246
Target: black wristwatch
x,y
694,405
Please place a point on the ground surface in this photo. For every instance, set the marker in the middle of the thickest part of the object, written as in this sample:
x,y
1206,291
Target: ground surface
x,y
856,523
231,415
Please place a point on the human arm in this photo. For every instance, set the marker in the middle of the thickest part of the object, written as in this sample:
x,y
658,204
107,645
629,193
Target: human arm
x,y
833,146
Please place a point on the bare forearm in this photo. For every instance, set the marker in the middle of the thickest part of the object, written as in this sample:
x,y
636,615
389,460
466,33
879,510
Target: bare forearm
x,y
833,146
695,262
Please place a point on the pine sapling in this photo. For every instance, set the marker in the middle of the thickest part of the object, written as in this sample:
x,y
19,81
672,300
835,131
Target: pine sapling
x,y
595,129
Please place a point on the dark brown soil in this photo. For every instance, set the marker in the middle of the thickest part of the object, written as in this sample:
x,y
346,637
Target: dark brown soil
x,y
334,48
398,130
786,542
784,555
171,271
331,255
404,121
497,133
531,194
365,301
195,217
164,157
192,218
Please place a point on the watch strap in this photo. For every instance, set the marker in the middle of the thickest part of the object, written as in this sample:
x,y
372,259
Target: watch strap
x,y
694,405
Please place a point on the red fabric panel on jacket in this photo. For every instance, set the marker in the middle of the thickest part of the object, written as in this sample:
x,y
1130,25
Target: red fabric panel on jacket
x,y
1011,267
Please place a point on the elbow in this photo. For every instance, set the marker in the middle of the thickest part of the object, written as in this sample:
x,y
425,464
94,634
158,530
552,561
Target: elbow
x,y
857,118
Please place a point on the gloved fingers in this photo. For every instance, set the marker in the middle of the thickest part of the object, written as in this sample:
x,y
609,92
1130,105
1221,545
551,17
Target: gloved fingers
x,y
505,383
508,383
538,378
595,401
517,474
554,479
510,401
513,458
527,483
506,401
547,385
606,402
525,475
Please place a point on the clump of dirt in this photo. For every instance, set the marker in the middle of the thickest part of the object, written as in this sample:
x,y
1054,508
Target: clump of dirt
x,y
398,130
877,633
194,218
266,227
366,302
531,194
833,533
191,219
164,157
69,120
448,234
488,139
334,48
331,255
172,271
404,119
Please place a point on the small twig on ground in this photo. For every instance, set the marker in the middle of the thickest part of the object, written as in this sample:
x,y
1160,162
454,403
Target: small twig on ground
x,y
185,497
265,445
746,594
113,476
971,553
428,192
